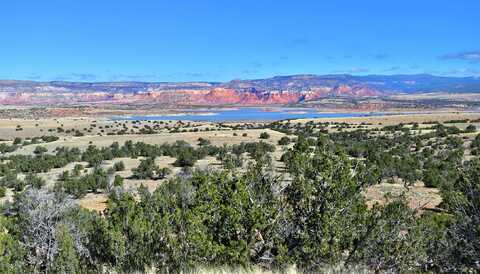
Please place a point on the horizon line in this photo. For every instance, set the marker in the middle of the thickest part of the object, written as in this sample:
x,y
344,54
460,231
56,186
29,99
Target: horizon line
x,y
239,79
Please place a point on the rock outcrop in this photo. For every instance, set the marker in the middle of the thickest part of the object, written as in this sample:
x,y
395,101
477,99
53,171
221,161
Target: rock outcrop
x,y
280,90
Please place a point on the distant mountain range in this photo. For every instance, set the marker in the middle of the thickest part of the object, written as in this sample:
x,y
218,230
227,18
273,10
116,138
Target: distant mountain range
x,y
277,90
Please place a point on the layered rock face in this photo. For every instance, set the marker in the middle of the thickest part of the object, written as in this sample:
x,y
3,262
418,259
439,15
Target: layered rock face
x,y
215,96
280,90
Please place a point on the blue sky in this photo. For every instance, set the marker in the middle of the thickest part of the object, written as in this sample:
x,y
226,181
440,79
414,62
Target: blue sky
x,y
106,40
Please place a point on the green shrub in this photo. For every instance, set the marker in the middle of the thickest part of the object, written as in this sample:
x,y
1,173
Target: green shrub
x,y
119,166
118,181
17,141
34,181
471,129
40,150
145,170
264,135
203,142
3,191
186,158
284,141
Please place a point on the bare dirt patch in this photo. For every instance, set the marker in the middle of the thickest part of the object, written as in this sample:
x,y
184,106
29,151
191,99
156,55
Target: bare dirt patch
x,y
418,196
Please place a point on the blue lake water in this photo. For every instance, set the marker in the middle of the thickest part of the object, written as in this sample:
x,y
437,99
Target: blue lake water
x,y
247,114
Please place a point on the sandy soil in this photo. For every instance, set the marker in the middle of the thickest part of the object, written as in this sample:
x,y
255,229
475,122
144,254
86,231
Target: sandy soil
x,y
400,118
92,201
438,96
15,127
418,196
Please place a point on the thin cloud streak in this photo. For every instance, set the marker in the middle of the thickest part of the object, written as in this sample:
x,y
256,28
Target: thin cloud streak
x,y
473,56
